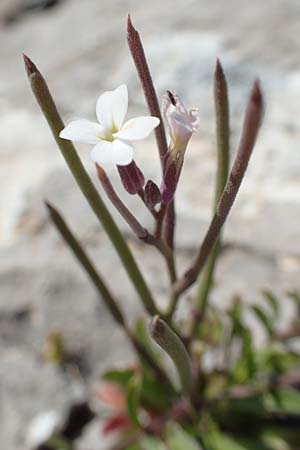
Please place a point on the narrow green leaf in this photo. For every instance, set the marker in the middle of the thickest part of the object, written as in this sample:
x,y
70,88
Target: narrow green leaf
x,y
235,314
142,334
122,376
274,440
272,301
264,319
179,439
165,337
223,156
151,443
286,401
133,399
59,443
154,394
221,441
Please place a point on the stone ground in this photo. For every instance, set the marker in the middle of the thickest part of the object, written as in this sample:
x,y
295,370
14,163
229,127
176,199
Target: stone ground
x,y
81,49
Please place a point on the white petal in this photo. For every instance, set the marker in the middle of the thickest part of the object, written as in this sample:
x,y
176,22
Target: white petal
x,y
138,128
112,107
82,131
195,118
112,153
123,152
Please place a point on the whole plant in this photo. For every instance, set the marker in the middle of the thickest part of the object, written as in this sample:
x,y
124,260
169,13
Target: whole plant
x,y
248,396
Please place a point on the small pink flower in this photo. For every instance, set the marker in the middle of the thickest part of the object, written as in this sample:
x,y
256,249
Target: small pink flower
x,y
182,124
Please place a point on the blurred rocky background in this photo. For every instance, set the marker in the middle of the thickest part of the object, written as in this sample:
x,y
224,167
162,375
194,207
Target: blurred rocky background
x,y
80,46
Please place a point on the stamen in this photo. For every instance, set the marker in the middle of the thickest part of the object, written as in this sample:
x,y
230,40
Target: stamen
x,y
172,98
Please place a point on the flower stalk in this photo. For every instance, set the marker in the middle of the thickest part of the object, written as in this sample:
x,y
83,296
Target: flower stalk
x,y
134,224
48,107
252,122
142,233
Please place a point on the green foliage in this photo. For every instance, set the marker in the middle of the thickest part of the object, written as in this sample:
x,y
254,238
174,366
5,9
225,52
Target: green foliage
x,y
179,439
133,399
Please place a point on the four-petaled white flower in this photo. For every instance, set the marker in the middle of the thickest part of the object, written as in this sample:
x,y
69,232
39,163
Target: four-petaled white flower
x,y
111,136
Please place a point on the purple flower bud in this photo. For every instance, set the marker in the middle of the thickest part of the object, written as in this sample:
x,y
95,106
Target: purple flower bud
x,y
152,194
132,178
170,179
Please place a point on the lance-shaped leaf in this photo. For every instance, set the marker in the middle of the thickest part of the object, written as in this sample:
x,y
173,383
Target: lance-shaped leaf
x,y
133,399
266,321
223,133
165,337
273,302
48,107
179,439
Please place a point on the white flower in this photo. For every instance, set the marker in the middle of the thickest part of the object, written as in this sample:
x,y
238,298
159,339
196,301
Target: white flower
x,y
182,123
111,136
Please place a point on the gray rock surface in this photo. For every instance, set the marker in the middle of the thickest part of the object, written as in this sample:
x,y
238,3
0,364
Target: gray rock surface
x,y
81,49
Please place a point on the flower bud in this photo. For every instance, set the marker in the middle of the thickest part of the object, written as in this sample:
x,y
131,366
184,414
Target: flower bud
x,y
152,194
132,178
170,180
182,124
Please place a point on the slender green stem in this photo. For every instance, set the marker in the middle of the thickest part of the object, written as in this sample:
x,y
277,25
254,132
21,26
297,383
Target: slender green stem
x,y
223,154
165,337
48,107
